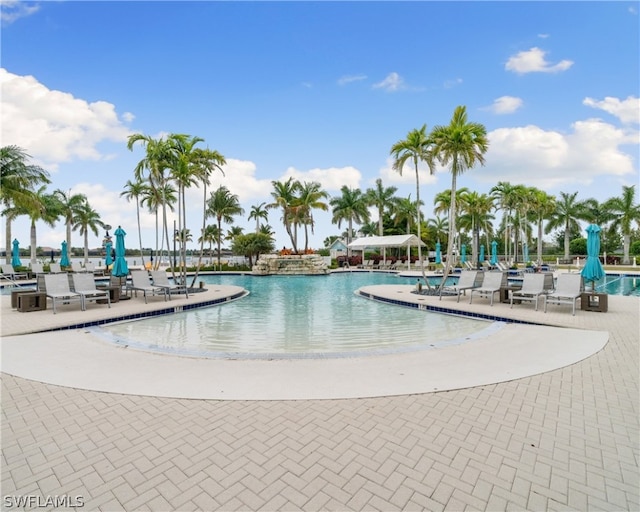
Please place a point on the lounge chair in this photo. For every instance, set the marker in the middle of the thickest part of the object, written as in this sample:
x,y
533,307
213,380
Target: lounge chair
x,y
468,280
491,284
469,266
57,288
85,285
568,290
161,279
76,267
532,289
55,268
10,273
141,281
91,268
37,268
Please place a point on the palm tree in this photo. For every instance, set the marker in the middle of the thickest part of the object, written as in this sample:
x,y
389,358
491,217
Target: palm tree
x,y
87,219
153,198
405,211
417,147
38,206
233,232
135,190
71,205
476,214
284,195
460,145
508,196
223,205
258,211
17,181
567,213
381,198
627,212
352,207
311,195
440,227
210,235
543,205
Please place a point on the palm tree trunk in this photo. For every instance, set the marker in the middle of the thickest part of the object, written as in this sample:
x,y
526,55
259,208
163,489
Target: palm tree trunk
x,y
86,246
204,225
219,242
7,239
540,241
452,226
33,241
424,275
139,229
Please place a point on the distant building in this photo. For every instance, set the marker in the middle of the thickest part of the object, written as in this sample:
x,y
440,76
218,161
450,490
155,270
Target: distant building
x,y
338,248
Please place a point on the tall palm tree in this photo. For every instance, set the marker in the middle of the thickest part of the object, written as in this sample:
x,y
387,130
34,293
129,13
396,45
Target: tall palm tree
x,y
258,211
417,147
460,146
17,181
352,207
543,205
154,198
223,205
405,211
508,197
476,215
210,235
627,211
382,198
567,213
71,205
284,197
136,190
38,206
87,219
310,198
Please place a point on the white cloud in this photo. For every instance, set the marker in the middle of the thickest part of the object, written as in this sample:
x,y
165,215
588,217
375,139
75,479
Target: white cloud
x,y
628,111
11,10
332,179
408,177
550,159
505,105
53,126
448,84
543,36
347,79
533,61
393,82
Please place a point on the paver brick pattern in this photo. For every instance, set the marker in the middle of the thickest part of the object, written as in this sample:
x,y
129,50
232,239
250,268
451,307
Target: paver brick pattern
x,y
563,440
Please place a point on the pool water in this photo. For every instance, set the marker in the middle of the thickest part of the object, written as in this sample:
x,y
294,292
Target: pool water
x,y
297,316
617,285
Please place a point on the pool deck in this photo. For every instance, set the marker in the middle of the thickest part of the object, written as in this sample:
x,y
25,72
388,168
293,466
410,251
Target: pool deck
x,y
565,439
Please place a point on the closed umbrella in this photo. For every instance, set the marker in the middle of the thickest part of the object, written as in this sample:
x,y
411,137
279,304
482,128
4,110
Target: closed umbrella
x,y
494,253
438,253
15,254
592,270
525,252
108,260
463,253
481,258
120,268
64,256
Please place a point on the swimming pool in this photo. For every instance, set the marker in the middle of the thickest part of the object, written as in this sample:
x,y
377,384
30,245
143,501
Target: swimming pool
x,y
615,284
297,316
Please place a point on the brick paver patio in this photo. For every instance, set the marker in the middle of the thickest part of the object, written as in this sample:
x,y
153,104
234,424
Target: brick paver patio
x,y
564,440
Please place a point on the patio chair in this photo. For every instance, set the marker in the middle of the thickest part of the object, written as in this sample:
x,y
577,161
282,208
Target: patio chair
x,y
568,290
77,267
161,279
55,268
10,273
37,268
85,285
91,268
532,289
141,281
468,280
57,288
492,282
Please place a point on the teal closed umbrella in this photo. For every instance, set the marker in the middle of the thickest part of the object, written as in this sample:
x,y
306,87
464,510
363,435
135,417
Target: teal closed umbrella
x,y
481,258
438,253
64,256
494,253
593,270
525,252
108,260
463,253
120,267
15,254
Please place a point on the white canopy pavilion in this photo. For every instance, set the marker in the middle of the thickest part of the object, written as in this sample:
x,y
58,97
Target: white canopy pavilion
x,y
407,241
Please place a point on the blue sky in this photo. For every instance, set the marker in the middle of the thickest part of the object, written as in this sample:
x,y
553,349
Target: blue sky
x,y
319,91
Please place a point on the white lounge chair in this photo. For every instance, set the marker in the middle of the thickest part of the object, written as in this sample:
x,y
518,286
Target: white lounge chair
x,y
55,268
492,282
468,280
532,289
57,288
10,273
161,279
91,268
77,267
85,285
568,290
141,281
37,268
